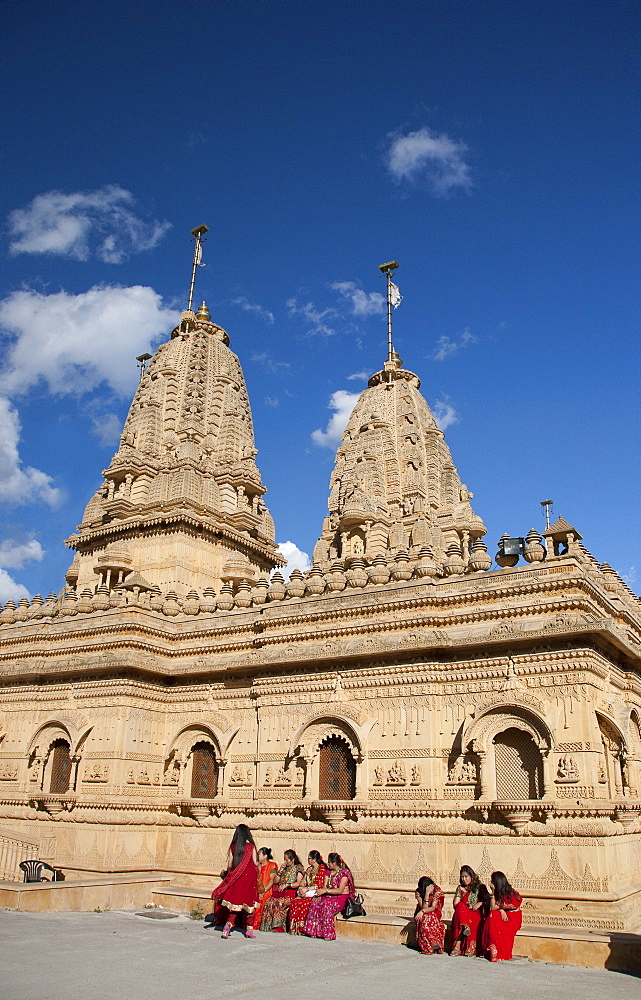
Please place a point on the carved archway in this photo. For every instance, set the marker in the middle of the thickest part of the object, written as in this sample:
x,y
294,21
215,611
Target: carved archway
x,y
612,764
51,756
330,731
195,761
509,762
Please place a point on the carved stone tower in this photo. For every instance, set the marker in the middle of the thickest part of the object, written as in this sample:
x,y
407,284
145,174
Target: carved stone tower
x,y
181,503
395,492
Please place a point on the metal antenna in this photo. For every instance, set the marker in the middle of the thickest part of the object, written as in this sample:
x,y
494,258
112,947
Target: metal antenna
x,y
546,504
388,269
197,233
142,360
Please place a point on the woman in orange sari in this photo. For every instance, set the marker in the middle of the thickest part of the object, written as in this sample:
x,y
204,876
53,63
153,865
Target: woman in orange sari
x,y
469,899
266,871
286,883
238,892
430,929
503,921
315,878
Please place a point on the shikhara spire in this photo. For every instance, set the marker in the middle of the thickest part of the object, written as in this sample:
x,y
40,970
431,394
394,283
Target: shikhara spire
x,y
395,488
182,498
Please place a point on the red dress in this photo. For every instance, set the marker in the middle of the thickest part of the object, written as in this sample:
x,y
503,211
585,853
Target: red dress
x,y
300,906
238,891
466,922
498,934
430,929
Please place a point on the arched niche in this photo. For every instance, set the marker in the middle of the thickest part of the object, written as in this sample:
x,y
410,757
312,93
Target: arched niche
x,y
52,757
341,739
612,764
512,743
196,759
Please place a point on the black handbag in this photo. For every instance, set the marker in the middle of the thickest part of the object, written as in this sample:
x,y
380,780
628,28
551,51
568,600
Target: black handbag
x,y
354,908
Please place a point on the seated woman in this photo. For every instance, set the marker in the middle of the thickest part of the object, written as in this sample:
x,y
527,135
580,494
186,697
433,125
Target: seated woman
x,y
503,920
330,900
469,900
314,879
430,929
267,869
286,883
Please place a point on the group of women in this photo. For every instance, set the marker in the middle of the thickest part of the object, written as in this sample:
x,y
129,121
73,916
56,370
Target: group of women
x,y
256,894
485,922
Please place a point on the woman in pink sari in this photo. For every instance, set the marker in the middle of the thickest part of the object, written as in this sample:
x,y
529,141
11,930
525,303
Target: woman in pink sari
x,y
238,891
330,901
315,878
503,921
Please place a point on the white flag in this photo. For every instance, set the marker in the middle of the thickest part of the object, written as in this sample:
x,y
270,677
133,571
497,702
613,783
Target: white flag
x,y
395,296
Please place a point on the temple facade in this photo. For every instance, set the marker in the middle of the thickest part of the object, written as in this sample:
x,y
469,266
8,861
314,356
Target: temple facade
x,y
402,702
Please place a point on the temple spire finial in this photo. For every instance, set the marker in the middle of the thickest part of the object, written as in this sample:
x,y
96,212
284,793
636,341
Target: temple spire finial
x,y
393,299
197,233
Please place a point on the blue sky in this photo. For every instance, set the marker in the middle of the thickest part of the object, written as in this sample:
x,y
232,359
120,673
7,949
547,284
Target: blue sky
x,y
490,147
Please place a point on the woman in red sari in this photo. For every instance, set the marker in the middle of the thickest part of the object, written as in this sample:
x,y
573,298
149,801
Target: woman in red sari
x,y
267,869
430,929
314,879
469,899
329,901
238,891
286,883
503,920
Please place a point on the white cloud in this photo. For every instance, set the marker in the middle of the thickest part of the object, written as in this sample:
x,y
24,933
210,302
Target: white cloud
x,y
83,223
317,317
342,402
444,414
263,358
425,154
75,342
19,484
253,307
359,376
10,590
107,427
13,554
272,401
446,347
362,303
296,558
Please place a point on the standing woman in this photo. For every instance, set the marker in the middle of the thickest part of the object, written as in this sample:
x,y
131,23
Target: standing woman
x,y
286,883
238,891
503,920
314,879
267,869
430,929
469,898
329,901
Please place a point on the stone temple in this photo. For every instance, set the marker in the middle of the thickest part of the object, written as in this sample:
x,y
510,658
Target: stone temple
x,y
402,702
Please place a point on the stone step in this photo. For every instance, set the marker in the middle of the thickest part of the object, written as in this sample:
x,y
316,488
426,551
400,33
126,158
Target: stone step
x,y
593,949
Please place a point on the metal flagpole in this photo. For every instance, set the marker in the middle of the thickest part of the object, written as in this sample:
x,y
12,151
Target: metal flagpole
x,y
387,270
198,233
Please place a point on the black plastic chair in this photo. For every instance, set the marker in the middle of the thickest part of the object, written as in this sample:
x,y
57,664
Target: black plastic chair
x,y
32,871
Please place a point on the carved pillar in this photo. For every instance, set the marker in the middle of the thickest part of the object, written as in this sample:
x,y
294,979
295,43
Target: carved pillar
x,y
487,779
308,789
221,785
361,777
548,790
73,781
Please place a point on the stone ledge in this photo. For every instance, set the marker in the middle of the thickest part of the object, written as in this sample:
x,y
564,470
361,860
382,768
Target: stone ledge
x,y
117,892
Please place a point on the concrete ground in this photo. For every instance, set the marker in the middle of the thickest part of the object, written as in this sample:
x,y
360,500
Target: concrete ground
x,y
120,956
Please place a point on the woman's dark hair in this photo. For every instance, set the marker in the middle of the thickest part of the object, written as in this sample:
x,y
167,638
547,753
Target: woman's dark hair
x,y
502,887
242,837
335,859
291,853
423,885
466,870
267,851
316,856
